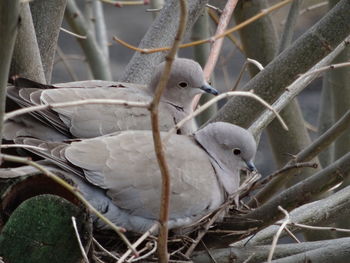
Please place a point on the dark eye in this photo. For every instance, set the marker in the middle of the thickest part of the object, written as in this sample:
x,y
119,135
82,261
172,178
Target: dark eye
x,y
236,151
183,84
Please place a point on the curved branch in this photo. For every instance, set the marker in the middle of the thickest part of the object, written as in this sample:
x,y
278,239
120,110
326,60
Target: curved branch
x,y
321,39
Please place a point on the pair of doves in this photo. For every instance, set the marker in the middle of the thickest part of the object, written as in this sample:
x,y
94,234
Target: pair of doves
x,y
115,167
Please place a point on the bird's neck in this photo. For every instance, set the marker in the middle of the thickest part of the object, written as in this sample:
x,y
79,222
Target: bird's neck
x,y
228,178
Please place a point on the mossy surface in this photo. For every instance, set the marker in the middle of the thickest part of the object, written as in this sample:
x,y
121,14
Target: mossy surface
x,y
41,230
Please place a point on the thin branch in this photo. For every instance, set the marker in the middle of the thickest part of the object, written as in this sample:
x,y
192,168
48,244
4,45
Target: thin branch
x,y
101,30
104,250
334,207
290,233
6,146
325,139
158,147
276,237
249,258
66,64
255,63
205,228
307,154
330,67
72,33
138,242
320,227
233,39
133,259
217,42
288,167
72,190
125,3
293,90
74,223
289,27
216,9
313,7
216,214
301,193
211,39
222,96
124,103
97,61
251,61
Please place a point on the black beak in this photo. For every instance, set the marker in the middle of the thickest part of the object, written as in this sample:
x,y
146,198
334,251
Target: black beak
x,y
209,89
251,166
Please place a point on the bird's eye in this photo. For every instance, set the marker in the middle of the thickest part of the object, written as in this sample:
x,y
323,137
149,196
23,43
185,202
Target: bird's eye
x,y
236,151
183,84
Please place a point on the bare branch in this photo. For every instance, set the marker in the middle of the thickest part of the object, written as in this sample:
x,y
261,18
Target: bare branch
x,y
294,89
138,242
208,40
307,154
330,67
222,96
278,233
158,147
104,250
302,192
321,212
76,103
6,146
213,15
288,167
243,112
249,60
97,61
74,223
72,33
217,43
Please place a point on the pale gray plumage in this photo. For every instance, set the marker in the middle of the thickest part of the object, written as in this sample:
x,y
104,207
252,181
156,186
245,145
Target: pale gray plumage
x,y
204,172
88,121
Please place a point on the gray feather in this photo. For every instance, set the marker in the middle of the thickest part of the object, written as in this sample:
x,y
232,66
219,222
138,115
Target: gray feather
x,y
88,121
123,167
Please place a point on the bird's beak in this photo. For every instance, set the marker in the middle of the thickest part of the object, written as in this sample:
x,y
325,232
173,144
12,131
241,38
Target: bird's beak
x,y
209,89
250,166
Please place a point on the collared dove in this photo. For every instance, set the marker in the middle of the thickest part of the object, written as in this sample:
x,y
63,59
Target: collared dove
x,y
119,174
88,121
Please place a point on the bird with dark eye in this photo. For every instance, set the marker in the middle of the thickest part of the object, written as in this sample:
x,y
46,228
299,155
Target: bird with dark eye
x,y
182,84
236,151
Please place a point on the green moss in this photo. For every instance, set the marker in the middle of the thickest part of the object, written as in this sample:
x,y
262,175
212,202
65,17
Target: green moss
x,y
40,230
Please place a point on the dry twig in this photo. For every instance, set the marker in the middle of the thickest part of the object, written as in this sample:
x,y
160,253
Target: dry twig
x,y
217,42
289,167
278,233
251,61
233,39
72,33
322,69
222,96
208,40
158,147
124,103
104,250
79,240
126,3
6,146
137,243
